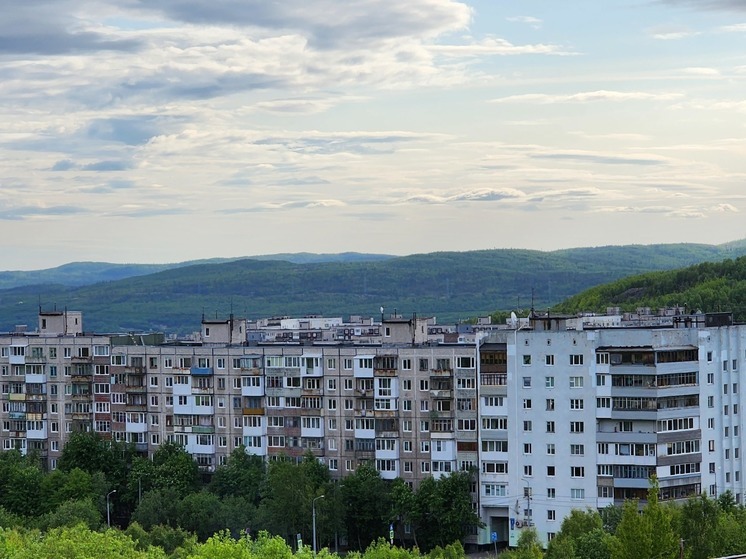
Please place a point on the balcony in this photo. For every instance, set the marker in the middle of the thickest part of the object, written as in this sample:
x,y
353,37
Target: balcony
x,y
82,359
203,429
135,389
201,371
253,411
441,372
441,394
35,359
17,397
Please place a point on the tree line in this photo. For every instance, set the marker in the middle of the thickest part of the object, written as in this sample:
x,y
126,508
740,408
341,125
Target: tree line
x,y
168,499
700,528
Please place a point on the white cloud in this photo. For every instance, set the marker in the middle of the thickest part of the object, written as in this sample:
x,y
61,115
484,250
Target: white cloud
x,y
588,97
534,22
497,46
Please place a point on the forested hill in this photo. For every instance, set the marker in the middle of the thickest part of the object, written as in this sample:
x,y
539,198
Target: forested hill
x,y
76,274
449,285
709,287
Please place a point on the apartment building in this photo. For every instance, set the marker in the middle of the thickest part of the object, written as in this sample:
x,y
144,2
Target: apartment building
x,y
553,413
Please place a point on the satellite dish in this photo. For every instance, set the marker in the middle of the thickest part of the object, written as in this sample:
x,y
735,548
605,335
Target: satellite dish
x,y
513,320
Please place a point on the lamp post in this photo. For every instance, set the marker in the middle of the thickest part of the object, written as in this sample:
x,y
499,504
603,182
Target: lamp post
x,y
313,515
108,513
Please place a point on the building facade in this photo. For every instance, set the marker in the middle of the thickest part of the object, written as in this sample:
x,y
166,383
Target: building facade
x,y
551,414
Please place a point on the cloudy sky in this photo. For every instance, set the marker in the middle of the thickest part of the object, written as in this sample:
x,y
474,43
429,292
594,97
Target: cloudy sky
x,y
170,130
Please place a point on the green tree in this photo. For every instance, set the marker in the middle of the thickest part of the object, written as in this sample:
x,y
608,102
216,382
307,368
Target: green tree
x,y
158,507
698,526
242,475
175,469
202,514
71,513
633,538
283,509
403,507
367,506
528,547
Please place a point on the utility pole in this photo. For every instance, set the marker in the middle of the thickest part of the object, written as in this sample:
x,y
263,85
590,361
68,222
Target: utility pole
x,y
528,500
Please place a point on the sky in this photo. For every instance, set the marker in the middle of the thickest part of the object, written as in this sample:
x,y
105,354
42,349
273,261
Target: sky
x,y
172,130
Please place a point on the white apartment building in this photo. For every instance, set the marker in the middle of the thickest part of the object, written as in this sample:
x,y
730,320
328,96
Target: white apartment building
x,y
555,414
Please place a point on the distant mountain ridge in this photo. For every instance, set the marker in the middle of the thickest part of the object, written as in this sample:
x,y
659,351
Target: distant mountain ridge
x,y
448,285
77,274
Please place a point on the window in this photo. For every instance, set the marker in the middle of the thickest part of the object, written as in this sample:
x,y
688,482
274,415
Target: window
x,y
548,382
527,426
331,384
576,404
526,448
550,448
551,514
577,449
550,471
550,427
551,493
549,359
406,385
577,471
576,359
526,382
528,470
526,403
331,363
577,427
576,382
526,359
577,494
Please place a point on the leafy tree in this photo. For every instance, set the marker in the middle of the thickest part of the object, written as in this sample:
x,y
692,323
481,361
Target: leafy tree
x,y
202,514
367,505
596,544
633,538
284,505
175,469
158,507
22,493
660,523
71,513
403,506
698,526
73,543
528,546
242,475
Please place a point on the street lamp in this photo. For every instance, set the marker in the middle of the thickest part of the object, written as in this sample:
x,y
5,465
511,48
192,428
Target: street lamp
x,y
108,513
313,514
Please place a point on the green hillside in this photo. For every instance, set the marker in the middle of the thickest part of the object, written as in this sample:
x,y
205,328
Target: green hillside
x,y
449,285
708,287
77,274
